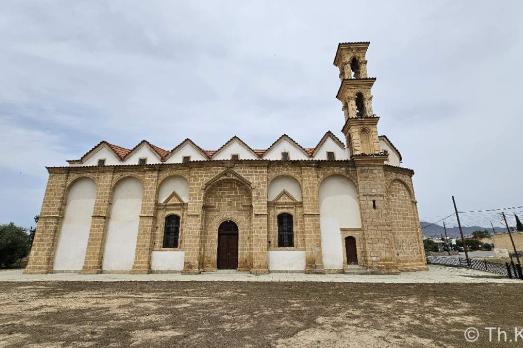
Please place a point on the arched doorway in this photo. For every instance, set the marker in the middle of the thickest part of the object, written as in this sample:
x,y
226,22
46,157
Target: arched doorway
x,y
350,249
227,245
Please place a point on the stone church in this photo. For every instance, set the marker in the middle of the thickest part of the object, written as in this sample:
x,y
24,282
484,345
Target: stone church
x,y
336,207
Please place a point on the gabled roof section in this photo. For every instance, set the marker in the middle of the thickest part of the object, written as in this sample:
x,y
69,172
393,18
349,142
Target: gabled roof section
x,y
190,142
326,136
158,151
387,140
230,141
119,151
306,152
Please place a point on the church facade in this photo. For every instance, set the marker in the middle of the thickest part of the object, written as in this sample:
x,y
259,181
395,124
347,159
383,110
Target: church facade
x,y
338,206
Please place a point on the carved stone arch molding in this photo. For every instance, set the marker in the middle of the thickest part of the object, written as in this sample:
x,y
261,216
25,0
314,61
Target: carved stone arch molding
x,y
227,174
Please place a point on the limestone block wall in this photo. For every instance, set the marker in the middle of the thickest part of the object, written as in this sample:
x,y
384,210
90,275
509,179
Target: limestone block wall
x,y
404,220
387,235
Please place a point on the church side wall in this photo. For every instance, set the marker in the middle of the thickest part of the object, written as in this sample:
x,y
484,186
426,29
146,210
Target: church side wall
x,y
383,229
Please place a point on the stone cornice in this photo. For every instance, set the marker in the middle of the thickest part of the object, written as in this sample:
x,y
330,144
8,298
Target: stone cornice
x,y
370,160
197,164
360,121
362,45
402,170
367,82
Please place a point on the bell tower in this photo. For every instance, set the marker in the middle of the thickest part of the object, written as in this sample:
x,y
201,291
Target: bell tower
x,y
361,124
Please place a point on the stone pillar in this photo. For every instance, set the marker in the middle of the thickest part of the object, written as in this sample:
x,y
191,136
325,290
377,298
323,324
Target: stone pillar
x,y
311,220
363,69
42,252
259,223
193,223
95,244
146,226
380,253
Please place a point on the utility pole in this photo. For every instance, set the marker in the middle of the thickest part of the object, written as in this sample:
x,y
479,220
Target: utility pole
x,y
446,237
461,232
511,239
493,229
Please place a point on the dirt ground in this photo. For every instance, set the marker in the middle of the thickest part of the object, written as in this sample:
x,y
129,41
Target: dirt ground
x,y
243,314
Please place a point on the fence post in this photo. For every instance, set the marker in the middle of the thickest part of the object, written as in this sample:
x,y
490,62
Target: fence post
x,y
518,267
508,270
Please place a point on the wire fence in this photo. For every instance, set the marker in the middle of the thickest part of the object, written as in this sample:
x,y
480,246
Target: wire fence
x,y
509,270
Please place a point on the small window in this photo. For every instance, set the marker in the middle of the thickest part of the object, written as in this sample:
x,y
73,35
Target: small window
x,y
142,161
101,162
284,156
285,231
171,232
331,156
186,159
235,157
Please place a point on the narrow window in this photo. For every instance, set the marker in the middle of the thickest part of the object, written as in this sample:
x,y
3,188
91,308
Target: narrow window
x,y
284,156
171,232
374,204
355,67
360,105
331,156
101,162
235,157
285,231
186,159
142,161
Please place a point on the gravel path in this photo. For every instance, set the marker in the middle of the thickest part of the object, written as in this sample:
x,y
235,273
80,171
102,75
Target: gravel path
x,y
436,274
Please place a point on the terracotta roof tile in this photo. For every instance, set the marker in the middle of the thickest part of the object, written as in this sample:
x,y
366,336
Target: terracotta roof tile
x,y
123,152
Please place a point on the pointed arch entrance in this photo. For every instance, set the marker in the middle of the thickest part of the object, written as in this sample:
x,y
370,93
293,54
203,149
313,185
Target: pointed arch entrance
x,y
227,245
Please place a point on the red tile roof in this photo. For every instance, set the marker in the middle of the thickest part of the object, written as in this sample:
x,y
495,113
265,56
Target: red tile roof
x,y
122,152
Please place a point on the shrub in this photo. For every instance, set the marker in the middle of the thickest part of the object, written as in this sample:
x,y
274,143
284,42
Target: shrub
x,y
15,244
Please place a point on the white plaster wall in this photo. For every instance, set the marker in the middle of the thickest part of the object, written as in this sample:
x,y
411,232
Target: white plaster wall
x,y
339,208
394,158
103,152
144,151
286,260
167,260
331,146
74,233
171,184
284,183
284,145
122,229
235,147
186,149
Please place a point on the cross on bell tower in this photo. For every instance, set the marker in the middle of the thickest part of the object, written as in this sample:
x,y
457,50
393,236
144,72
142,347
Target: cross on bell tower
x,y
361,124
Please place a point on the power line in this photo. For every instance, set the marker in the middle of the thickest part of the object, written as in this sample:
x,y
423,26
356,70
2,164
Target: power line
x,y
488,210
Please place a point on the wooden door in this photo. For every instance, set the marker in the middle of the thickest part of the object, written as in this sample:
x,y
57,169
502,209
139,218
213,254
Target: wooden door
x,y
227,246
350,249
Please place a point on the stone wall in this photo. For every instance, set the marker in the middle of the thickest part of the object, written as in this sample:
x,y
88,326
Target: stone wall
x,y
389,239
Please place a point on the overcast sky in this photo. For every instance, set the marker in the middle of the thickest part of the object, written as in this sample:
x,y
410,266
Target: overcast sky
x,y
448,90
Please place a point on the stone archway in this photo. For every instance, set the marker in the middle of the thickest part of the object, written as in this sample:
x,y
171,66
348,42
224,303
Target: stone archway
x,y
227,199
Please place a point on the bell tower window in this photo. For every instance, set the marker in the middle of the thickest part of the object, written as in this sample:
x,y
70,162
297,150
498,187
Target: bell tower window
x,y
360,105
355,68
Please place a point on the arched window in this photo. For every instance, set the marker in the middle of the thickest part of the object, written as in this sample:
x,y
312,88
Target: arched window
x,y
360,105
171,232
285,231
355,67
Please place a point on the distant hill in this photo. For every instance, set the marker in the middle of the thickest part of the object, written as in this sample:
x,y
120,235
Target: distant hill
x,y
435,230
